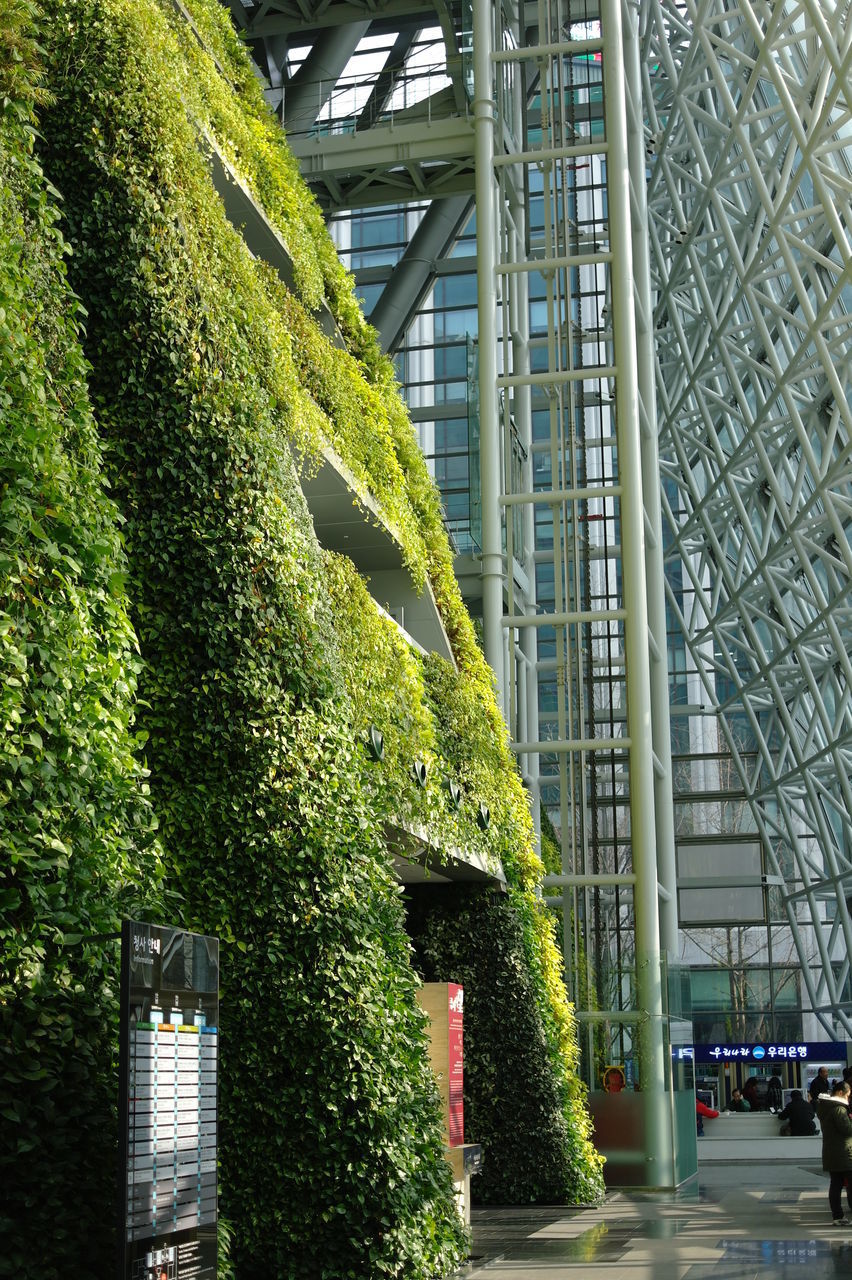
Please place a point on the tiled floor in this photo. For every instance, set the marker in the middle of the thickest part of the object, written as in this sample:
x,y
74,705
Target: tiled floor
x,y
742,1222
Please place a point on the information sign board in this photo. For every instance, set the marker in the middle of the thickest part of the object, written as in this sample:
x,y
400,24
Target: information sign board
x,y
455,1063
169,1053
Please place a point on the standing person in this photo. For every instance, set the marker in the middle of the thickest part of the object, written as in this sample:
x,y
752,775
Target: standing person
x,y
836,1124
774,1094
702,1113
798,1116
818,1085
750,1093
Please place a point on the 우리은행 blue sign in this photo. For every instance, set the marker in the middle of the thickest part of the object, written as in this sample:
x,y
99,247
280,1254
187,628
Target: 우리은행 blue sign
x,y
824,1050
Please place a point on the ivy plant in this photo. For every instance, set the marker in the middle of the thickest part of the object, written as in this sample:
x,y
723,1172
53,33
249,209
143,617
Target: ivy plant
x,y
77,830
331,1149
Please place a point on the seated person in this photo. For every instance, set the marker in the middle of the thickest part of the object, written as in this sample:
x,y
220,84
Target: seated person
x,y
738,1102
797,1118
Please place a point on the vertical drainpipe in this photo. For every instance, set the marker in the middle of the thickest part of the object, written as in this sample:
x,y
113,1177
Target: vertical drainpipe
x,y
661,728
657,1114
484,114
519,285
529,635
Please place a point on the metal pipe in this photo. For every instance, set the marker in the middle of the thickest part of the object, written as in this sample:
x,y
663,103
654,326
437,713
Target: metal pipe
x,y
650,459
653,1077
549,153
564,619
415,272
562,745
553,882
593,373
484,115
518,286
310,89
563,495
564,262
610,1015
567,49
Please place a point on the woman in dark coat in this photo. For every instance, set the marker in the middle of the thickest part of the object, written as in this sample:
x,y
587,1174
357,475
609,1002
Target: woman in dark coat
x,y
836,1124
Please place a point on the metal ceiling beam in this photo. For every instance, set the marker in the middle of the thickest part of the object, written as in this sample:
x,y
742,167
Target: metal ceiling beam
x,y
414,274
291,19
386,79
309,91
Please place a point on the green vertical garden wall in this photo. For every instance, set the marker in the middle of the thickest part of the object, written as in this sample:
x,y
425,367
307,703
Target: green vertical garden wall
x,y
262,660
77,832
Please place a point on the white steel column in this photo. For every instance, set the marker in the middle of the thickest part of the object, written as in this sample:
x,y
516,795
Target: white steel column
x,y
597,735
658,1144
517,284
484,115
655,578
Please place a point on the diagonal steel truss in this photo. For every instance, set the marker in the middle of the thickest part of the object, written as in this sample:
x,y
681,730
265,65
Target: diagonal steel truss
x,y
748,130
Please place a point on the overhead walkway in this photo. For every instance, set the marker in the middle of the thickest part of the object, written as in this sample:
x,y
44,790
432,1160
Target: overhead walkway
x,y
740,1222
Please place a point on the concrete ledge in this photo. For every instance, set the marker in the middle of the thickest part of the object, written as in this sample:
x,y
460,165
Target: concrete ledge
x,y
262,239
419,860
753,1136
733,1125
766,1150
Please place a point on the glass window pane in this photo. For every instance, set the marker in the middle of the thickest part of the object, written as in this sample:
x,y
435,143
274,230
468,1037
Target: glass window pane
x,y
719,858
720,904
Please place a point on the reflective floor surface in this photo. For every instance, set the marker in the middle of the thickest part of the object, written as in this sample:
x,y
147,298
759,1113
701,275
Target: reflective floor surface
x,y
742,1221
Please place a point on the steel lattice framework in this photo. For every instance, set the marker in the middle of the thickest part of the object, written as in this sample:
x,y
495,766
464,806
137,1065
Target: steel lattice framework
x,y
748,130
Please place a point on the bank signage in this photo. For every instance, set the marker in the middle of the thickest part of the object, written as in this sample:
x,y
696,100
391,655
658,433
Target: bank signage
x,y
830,1050
169,1054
